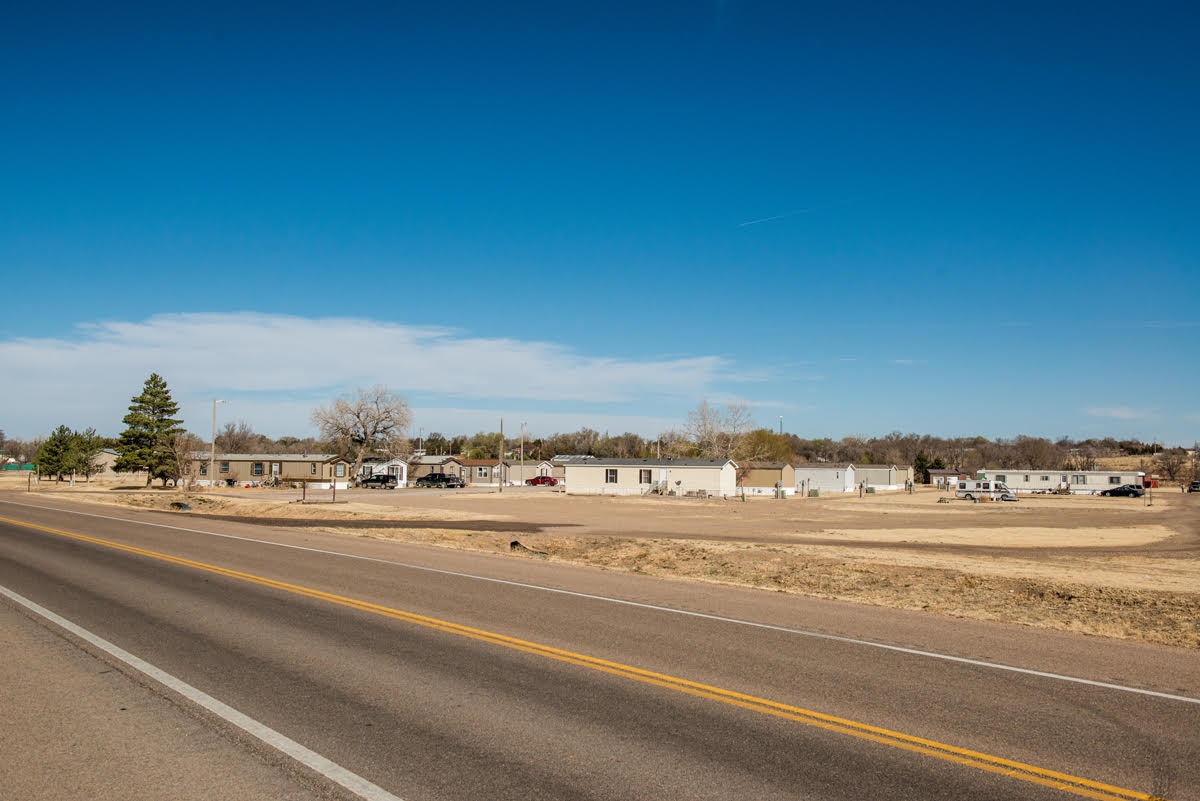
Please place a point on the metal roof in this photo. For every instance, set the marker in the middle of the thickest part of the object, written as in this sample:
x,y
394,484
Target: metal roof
x,y
658,462
267,457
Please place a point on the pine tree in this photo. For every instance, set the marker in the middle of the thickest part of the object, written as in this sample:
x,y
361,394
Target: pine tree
x,y
148,442
56,456
87,447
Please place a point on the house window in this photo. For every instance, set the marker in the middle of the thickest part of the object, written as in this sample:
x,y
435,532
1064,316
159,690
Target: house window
x,y
224,467
1002,479
256,469
1114,479
1026,479
644,477
482,472
203,469
1045,478
312,469
1078,479
340,470
610,475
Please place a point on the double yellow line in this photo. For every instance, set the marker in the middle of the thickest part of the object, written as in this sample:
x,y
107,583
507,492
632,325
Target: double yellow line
x,y
973,759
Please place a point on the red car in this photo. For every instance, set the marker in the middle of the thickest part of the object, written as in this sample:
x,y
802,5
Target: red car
x,y
538,481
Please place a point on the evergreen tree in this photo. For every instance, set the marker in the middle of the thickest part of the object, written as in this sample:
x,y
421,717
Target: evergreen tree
x,y
87,447
66,451
56,456
148,442
921,466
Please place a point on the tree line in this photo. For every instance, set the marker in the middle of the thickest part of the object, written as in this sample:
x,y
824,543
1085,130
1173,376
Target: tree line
x,y
376,422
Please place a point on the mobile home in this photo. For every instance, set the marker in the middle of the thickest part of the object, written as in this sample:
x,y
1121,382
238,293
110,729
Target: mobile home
x,y
1075,482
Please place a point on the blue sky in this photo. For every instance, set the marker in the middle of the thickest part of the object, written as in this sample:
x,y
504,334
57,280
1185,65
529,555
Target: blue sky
x,y
953,219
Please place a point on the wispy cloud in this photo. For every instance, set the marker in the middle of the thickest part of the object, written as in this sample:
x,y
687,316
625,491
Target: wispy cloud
x,y
296,363
1119,412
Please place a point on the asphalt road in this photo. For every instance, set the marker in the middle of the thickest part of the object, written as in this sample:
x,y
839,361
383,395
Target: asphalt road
x,y
427,674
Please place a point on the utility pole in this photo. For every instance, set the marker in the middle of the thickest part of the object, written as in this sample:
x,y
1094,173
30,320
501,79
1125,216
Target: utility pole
x,y
500,466
212,446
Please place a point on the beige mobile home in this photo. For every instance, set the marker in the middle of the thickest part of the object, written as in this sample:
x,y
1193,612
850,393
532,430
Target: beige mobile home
x,y
517,472
255,469
695,477
762,478
481,472
420,466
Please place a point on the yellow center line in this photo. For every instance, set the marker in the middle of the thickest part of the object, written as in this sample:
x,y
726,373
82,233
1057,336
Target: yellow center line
x,y
1075,785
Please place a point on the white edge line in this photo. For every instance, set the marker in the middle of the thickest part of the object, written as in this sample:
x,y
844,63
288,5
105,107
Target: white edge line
x,y
305,756
686,612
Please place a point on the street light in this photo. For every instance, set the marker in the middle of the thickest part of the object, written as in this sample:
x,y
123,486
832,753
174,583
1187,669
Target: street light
x,y
212,447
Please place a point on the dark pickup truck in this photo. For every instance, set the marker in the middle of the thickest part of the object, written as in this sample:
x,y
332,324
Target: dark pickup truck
x,y
440,480
380,481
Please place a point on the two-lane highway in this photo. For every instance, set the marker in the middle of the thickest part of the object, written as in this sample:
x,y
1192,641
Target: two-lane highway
x,y
427,674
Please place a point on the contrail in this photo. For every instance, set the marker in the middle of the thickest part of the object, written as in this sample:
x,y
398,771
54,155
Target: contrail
x,y
776,217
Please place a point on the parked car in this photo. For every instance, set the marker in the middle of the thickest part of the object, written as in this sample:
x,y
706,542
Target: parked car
x,y
1194,486
440,480
380,481
1125,490
538,481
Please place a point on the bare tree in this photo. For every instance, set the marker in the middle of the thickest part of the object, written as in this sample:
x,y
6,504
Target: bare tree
x,y
367,421
239,438
184,448
716,432
1172,462
674,445
1033,453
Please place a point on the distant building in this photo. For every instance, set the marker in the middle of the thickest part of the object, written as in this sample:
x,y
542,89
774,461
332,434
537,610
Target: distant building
x,y
825,477
1076,482
397,467
419,466
883,476
241,469
762,478
695,477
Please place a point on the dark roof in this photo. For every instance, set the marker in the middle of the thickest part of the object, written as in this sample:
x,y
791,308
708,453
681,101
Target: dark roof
x,y
658,462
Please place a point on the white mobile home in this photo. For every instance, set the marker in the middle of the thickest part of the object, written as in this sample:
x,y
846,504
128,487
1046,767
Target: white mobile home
x,y
397,467
825,477
696,477
1077,482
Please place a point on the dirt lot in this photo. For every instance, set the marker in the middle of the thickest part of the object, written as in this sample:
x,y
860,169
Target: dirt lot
x,y
1115,567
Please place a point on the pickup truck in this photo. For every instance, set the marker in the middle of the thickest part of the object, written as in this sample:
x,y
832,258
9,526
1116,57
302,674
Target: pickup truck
x,y
440,480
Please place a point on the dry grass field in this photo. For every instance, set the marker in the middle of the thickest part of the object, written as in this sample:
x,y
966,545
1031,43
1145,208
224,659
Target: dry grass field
x,y
1113,567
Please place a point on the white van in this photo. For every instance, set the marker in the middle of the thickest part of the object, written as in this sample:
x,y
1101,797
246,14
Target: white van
x,y
983,488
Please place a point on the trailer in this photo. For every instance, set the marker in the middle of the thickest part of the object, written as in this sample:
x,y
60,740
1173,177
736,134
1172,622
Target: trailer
x,y
1074,482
